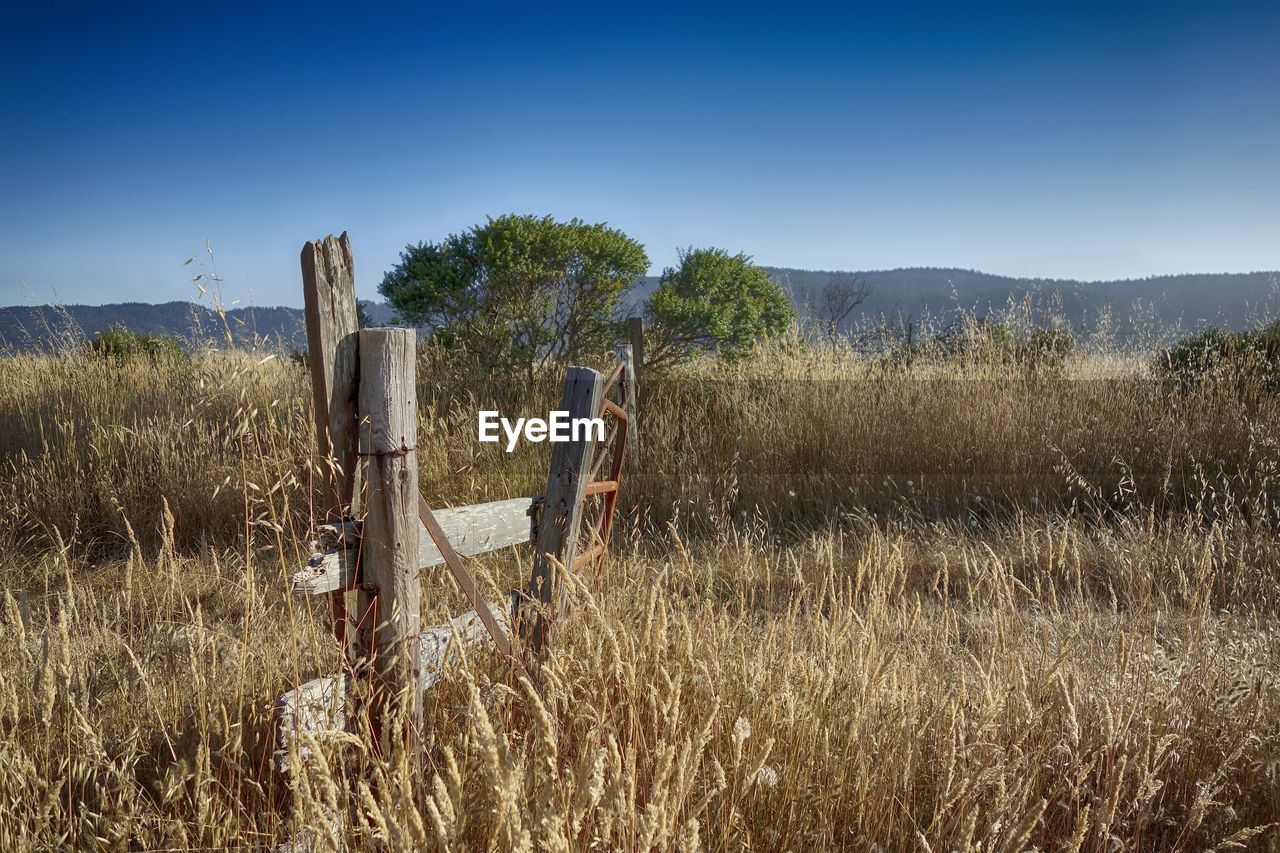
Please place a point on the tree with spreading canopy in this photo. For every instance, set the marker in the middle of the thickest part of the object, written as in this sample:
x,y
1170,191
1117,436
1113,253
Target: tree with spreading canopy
x,y
518,289
713,302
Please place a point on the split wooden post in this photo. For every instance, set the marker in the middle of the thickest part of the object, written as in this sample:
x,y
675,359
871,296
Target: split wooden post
x,y
562,507
389,562
329,299
635,331
630,394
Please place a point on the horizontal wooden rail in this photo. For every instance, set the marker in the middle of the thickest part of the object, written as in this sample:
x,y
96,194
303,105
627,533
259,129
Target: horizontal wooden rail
x,y
318,709
475,529
460,574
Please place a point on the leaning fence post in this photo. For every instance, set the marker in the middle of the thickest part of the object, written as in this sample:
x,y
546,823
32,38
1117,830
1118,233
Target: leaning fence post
x,y
562,507
389,562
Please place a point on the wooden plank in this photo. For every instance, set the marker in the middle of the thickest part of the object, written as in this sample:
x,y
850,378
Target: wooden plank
x,y
562,511
329,300
388,405
331,571
465,581
319,707
475,529
438,642
309,712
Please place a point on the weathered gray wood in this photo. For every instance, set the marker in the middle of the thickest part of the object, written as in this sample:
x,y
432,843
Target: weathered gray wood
x,y
475,529
329,300
464,580
635,331
628,391
562,512
319,707
437,642
388,406
311,710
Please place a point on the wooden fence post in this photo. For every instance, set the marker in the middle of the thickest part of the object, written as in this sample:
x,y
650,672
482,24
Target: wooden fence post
x,y
329,299
635,331
628,380
562,507
389,562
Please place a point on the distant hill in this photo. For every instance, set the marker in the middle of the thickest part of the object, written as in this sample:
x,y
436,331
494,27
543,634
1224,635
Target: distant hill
x,y
42,327
1228,300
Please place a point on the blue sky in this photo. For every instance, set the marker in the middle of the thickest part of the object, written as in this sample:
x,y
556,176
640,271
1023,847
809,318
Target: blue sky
x,y
1057,140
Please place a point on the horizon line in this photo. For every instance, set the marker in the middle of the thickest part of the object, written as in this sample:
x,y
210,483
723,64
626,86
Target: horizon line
x,y
239,304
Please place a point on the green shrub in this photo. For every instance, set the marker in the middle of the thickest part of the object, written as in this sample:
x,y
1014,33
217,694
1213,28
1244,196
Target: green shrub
x,y
973,341
1046,351
1214,355
122,345
713,302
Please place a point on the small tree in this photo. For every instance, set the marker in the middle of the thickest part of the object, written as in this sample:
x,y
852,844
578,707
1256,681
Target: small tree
x,y
713,302
518,288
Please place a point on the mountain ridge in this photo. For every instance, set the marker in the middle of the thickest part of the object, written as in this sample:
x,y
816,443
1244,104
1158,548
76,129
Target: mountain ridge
x,y
1180,300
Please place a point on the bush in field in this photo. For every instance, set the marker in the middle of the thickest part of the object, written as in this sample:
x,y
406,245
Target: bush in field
x,y
983,342
713,302
122,345
518,289
1045,351
1239,357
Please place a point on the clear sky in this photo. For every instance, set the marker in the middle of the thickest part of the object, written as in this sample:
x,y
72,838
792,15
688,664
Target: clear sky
x,y
1031,139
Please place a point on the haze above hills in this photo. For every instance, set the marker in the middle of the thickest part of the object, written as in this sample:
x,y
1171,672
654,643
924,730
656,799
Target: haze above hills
x,y
1226,300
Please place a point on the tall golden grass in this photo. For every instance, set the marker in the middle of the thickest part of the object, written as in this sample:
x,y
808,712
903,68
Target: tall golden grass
x,y
855,605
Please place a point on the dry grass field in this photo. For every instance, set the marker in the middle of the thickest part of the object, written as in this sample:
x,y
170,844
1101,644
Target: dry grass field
x,y
855,606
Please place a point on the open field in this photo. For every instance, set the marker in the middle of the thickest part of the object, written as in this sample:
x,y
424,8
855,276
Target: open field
x,y
933,607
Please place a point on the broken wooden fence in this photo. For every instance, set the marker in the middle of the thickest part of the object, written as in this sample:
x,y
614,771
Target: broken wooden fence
x,y
366,419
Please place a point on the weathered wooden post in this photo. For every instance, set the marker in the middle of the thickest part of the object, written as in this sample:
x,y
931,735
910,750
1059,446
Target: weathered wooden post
x,y
329,299
635,331
389,559
562,507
